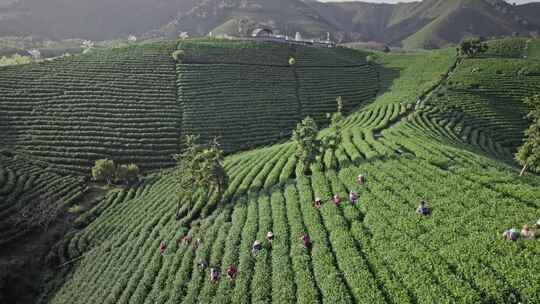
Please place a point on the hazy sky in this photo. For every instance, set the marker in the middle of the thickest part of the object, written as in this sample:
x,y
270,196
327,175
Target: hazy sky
x,y
396,1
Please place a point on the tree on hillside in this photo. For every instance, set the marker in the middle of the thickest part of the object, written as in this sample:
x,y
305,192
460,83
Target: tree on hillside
x,y
307,145
338,115
472,47
528,154
120,174
178,55
132,174
219,176
199,167
184,173
332,140
103,171
127,173
211,171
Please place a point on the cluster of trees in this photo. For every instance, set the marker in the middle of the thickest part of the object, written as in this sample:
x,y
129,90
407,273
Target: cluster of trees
x,y
15,59
178,55
105,170
472,47
199,168
308,147
528,154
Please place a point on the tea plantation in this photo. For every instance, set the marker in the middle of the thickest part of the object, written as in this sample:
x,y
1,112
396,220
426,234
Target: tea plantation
x,y
420,126
482,98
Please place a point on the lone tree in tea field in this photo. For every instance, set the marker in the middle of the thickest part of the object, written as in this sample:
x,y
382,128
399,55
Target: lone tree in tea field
x,y
184,173
307,144
308,147
472,47
199,167
332,140
528,154
210,172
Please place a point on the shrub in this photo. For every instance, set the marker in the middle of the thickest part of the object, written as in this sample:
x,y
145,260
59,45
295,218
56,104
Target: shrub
x,y
472,47
292,61
370,59
133,172
121,173
178,55
103,170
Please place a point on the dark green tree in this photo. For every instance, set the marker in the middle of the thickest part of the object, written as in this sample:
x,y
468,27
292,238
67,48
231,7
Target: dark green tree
x,y
332,140
199,167
121,173
211,172
528,154
132,174
127,173
184,173
307,144
472,47
103,171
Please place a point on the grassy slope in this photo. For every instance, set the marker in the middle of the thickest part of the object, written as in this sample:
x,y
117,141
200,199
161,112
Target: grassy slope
x,y
461,19
376,251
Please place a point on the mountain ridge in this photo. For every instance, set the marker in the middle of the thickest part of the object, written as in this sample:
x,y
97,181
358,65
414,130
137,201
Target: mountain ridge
x,y
426,24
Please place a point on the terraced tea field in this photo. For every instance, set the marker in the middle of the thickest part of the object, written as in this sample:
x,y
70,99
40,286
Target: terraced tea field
x,y
134,104
377,250
482,101
420,126
72,111
225,93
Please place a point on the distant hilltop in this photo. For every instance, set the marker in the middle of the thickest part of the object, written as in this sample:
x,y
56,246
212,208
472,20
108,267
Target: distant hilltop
x,y
426,24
